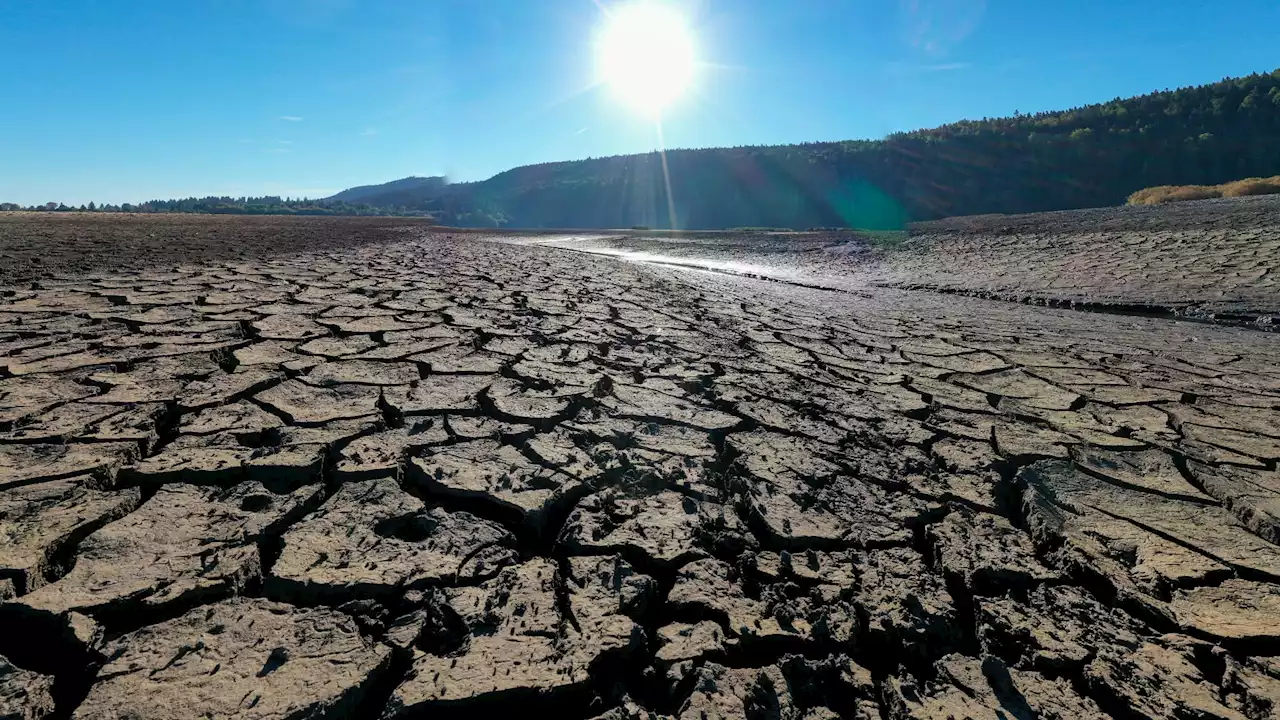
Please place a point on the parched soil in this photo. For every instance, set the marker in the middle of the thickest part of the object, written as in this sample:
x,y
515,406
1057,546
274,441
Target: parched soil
x,y
489,476
1212,259
36,245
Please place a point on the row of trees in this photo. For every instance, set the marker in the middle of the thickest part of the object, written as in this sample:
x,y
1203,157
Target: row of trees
x,y
60,207
266,205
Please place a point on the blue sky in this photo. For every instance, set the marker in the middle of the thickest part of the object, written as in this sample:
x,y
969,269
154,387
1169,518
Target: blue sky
x,y
128,100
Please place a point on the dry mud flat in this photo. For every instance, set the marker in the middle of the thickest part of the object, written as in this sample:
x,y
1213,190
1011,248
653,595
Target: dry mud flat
x,y
35,245
1213,259
440,478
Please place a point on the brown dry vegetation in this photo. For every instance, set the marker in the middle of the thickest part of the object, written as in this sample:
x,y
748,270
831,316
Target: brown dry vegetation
x,y
1178,193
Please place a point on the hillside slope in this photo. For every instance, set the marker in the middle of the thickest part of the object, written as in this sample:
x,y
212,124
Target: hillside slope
x,y
1085,157
362,193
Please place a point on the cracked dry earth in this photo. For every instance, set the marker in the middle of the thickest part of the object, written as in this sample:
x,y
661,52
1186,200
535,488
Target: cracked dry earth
x,y
1212,259
443,477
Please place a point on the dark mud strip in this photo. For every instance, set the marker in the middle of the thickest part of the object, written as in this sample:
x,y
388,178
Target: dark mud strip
x,y
1263,322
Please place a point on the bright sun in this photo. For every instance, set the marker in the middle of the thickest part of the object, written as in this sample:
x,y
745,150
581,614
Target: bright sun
x,y
645,55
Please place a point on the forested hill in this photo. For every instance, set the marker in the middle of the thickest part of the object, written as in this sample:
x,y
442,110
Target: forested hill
x,y
1089,156
421,185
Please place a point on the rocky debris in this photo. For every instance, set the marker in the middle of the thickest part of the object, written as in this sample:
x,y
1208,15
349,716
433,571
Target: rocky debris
x,y
1159,679
712,588
1253,686
24,695
522,646
984,553
794,688
907,607
629,710
985,690
498,475
185,545
682,646
720,692
605,593
246,658
1062,631
405,631
664,530
372,539
40,523
1055,630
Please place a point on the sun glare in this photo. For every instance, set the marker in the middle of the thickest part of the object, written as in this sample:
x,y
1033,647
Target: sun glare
x,y
645,55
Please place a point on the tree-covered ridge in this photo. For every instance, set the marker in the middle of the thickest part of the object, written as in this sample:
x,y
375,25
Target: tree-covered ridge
x,y
1084,157
421,184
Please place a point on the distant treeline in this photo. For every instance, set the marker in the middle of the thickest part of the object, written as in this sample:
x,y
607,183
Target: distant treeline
x,y
1085,157
266,205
